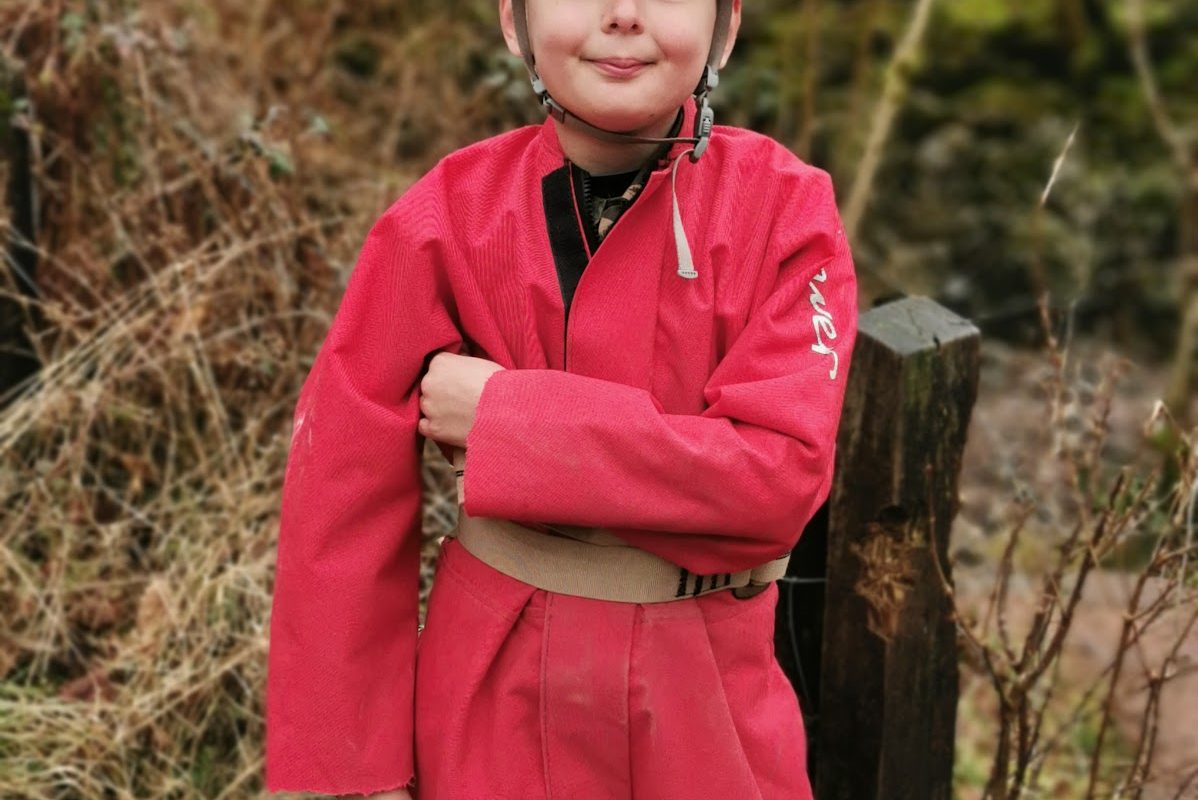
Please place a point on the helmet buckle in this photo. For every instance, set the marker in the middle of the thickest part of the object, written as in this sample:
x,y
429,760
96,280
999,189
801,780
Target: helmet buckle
x,y
704,122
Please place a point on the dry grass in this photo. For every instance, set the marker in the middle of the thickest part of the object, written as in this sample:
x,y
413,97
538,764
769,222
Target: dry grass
x,y
199,216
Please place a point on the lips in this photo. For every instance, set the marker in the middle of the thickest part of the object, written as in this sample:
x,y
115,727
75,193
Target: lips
x,y
619,67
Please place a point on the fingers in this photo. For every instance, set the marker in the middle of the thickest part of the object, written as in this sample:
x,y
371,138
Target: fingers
x,y
448,395
444,358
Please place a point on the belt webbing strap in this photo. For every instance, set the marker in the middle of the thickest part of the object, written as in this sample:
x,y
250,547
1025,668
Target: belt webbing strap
x,y
591,562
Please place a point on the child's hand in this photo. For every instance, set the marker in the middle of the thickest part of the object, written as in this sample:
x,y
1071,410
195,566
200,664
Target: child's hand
x,y
449,393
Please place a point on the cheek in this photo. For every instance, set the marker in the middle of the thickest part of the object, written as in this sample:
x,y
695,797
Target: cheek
x,y
560,36
685,47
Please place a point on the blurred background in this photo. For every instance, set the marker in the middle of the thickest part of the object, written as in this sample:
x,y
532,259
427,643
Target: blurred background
x,y
187,187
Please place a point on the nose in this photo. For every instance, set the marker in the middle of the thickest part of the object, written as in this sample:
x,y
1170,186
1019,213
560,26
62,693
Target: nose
x,y
622,16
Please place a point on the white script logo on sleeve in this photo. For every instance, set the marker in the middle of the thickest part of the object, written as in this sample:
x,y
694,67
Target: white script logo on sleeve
x,y
821,320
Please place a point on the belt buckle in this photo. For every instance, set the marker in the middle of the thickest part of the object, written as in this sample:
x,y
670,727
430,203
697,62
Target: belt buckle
x,y
749,590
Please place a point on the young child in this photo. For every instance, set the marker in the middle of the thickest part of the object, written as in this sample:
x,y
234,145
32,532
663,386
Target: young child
x,y
658,324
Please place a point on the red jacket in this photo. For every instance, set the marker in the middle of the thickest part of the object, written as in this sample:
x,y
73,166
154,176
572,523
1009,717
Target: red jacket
x,y
695,418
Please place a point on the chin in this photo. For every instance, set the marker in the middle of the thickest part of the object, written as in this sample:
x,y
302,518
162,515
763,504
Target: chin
x,y
624,119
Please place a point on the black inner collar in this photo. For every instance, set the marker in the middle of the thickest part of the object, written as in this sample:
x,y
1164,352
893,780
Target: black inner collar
x,y
614,185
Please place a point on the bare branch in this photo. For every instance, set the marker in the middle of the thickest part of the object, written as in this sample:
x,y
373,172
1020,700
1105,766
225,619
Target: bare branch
x,y
894,90
1165,126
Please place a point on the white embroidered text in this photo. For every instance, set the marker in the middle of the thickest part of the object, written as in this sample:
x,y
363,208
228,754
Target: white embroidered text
x,y
821,320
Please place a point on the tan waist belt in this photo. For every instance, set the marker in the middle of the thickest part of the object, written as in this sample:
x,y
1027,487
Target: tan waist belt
x,y
593,562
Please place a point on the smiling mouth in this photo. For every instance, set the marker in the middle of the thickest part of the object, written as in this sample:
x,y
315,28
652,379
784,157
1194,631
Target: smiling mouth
x,y
619,67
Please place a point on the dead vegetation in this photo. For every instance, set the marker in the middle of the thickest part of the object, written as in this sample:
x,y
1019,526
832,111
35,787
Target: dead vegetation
x,y
1076,584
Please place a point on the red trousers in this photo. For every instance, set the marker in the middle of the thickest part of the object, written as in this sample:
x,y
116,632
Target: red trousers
x,y
524,694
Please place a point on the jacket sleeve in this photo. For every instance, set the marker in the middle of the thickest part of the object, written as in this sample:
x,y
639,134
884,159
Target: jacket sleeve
x,y
747,473
341,663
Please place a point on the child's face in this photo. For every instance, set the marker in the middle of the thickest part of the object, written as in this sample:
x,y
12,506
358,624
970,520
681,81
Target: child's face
x,y
623,65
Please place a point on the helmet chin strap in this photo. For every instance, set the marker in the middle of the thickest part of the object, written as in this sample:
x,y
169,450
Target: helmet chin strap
x,y
704,118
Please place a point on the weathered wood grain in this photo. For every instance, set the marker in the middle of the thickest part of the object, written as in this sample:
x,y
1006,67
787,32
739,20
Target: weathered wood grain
x,y
880,694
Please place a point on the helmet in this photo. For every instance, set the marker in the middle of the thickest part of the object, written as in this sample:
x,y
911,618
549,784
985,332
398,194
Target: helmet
x,y
704,119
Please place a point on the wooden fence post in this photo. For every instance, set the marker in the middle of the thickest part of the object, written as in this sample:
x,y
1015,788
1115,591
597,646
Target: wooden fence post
x,y
881,698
